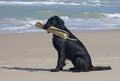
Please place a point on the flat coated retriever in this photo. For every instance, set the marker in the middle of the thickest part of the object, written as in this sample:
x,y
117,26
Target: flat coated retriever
x,y
73,50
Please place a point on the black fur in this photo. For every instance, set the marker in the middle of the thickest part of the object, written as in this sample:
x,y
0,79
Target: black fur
x,y
73,50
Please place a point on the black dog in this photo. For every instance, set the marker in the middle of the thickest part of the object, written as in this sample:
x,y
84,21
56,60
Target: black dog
x,y
73,50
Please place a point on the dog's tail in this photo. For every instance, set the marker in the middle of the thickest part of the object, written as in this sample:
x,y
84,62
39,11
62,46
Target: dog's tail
x,y
98,68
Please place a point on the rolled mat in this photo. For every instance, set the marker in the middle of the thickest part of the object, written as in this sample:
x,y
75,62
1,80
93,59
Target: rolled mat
x,y
54,30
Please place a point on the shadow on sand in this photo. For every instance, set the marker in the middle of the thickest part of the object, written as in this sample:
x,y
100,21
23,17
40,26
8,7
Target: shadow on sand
x,y
30,69
26,69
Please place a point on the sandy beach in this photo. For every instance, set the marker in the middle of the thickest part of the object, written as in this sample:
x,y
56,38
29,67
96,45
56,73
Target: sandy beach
x,y
29,57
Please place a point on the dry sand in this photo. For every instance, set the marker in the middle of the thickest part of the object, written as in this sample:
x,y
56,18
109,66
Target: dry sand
x,y
29,57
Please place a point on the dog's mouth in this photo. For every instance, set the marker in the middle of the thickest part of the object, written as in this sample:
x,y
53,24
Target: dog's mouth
x,y
46,26
52,29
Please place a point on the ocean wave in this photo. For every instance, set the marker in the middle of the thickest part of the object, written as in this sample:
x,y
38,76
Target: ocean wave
x,y
14,28
36,3
115,15
74,24
63,2
15,25
97,15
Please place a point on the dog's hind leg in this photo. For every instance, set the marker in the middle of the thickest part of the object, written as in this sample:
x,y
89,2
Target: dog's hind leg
x,y
80,65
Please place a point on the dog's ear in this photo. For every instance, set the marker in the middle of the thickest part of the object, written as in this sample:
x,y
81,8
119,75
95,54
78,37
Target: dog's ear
x,y
58,22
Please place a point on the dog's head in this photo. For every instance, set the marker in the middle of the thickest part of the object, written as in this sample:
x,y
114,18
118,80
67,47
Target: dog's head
x,y
54,21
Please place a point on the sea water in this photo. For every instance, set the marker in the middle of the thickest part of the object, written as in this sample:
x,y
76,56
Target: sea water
x,y
20,16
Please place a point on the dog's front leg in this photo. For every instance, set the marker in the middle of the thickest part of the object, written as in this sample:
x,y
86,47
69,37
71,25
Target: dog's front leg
x,y
60,62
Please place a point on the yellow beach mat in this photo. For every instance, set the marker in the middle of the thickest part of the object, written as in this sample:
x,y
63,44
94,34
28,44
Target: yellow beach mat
x,y
54,30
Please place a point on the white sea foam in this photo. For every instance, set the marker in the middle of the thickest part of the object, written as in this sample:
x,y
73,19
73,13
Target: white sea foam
x,y
115,15
13,28
64,17
96,1
35,3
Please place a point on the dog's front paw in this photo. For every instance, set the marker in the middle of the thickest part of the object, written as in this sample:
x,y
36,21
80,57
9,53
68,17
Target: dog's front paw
x,y
54,70
71,69
61,69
